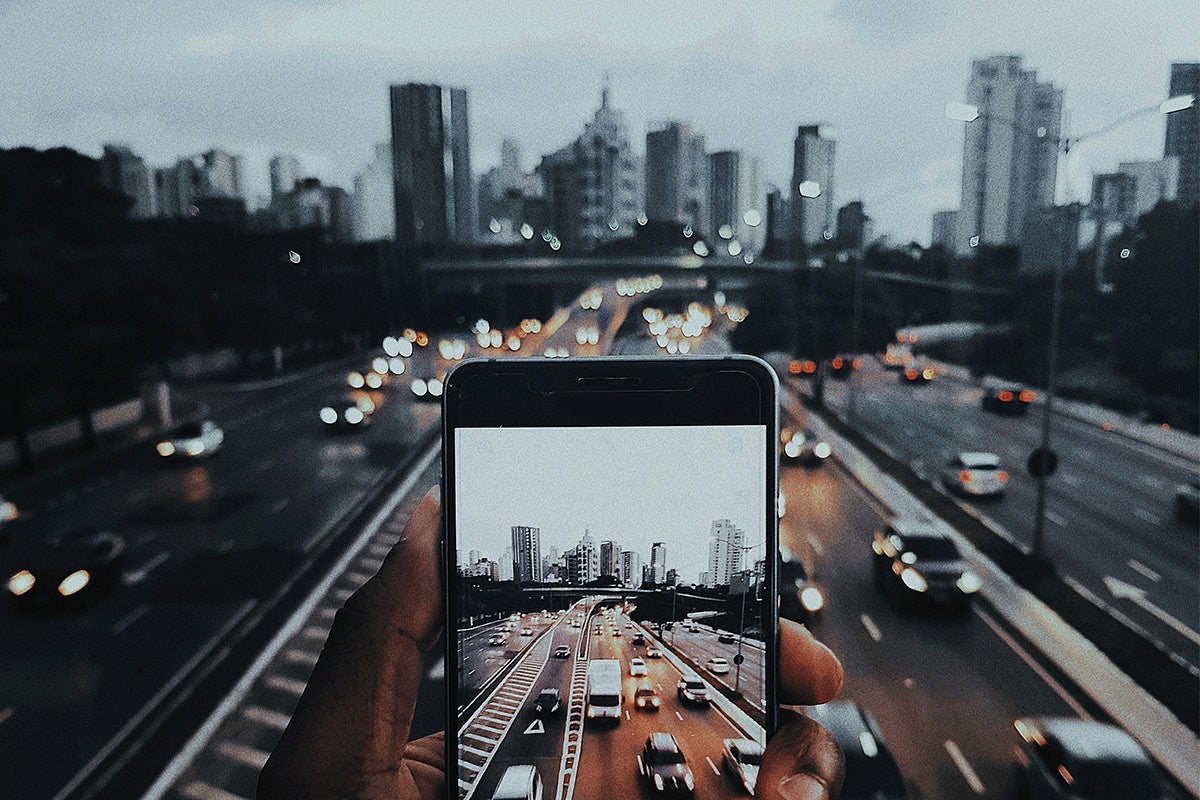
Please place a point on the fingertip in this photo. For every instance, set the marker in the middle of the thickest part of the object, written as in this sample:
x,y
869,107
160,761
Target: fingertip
x,y
810,672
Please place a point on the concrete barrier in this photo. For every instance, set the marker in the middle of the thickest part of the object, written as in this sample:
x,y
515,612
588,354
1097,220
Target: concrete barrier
x,y
70,432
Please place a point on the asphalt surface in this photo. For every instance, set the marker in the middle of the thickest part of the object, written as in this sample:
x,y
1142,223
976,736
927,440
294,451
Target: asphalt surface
x,y
1109,513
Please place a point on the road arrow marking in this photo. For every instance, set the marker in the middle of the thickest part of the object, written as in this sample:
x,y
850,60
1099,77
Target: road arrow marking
x,y
536,727
1126,591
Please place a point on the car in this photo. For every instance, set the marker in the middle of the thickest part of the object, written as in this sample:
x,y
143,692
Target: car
x,y
495,639
639,638
547,702
743,757
645,697
664,766
1007,399
637,667
800,599
802,366
717,666
871,771
975,475
616,632
844,365
628,625
691,689
519,782
598,630
726,638
916,563
69,571
653,652
562,651
200,439
344,414
428,388
1062,757
806,447
918,374
527,631
669,626
897,356
1187,501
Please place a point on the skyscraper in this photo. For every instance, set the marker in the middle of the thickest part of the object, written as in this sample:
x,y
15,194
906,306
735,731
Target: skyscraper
x,y
583,561
222,174
610,559
1183,132
658,563
126,173
735,200
374,198
1155,182
431,165
676,176
724,552
813,216
1010,152
527,554
853,226
285,171
631,568
945,225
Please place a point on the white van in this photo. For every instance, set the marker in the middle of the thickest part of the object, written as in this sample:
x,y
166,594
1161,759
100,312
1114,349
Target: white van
x,y
519,782
604,689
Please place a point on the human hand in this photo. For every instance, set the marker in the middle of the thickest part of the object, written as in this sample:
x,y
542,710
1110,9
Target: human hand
x,y
349,735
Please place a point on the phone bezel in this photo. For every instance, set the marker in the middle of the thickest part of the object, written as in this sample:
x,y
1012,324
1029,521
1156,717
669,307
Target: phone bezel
x,y
633,390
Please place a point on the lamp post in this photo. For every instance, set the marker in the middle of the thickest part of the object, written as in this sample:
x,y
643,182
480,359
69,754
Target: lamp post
x,y
967,113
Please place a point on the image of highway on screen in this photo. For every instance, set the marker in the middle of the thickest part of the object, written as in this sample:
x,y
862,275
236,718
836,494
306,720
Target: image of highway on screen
x,y
610,638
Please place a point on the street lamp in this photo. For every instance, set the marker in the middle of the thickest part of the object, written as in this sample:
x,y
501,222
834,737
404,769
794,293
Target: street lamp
x,y
965,112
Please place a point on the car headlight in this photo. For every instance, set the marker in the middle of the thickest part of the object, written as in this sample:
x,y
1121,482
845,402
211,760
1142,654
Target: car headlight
x,y
8,511
74,582
328,415
194,447
791,449
353,415
419,388
913,579
435,387
812,599
822,450
658,782
165,449
21,583
969,583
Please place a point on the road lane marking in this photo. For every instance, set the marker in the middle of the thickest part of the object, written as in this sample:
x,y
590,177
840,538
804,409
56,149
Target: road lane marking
x,y
379,549
1057,519
130,618
1032,663
816,545
243,754
289,685
712,766
141,573
265,716
679,715
964,767
199,790
297,656
1138,566
872,629
315,632
475,751
1143,514
1137,595
6,714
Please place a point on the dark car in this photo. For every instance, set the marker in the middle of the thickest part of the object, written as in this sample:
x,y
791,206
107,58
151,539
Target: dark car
x,y
1187,501
639,638
1007,399
547,702
916,563
800,600
562,651
1074,758
664,766
726,638
871,772
69,571
691,689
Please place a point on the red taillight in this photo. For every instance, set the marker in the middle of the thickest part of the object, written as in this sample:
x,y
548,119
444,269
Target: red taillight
x,y
857,363
1006,396
838,363
795,367
1026,396
964,476
911,374
810,367
1003,476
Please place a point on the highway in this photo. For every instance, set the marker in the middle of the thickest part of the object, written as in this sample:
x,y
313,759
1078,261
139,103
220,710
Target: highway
x,y
1109,514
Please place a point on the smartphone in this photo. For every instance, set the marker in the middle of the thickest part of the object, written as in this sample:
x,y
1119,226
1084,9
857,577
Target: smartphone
x,y
611,555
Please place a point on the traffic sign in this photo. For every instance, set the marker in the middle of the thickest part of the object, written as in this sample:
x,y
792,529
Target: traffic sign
x,y
1042,462
738,659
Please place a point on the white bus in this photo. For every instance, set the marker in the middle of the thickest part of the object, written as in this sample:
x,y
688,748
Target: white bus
x,y
604,689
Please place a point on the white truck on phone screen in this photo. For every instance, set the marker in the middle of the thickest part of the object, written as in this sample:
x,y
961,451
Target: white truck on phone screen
x,y
604,689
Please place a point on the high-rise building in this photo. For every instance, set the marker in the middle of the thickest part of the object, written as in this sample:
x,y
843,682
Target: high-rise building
x,y
658,563
735,201
527,554
590,185
431,165
374,198
1010,152
779,223
724,552
124,172
583,561
507,562
676,176
610,559
285,171
1155,182
853,226
631,568
178,187
945,225
813,216
507,198
1183,132
222,174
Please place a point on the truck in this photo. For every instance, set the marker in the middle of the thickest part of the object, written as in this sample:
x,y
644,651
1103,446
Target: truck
x,y
604,696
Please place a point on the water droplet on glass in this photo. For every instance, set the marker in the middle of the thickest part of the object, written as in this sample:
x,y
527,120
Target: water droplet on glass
x,y
526,231
752,218
687,231
293,257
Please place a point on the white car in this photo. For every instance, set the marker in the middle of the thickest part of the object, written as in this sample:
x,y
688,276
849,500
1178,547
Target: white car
x,y
976,474
192,440
743,757
527,631
718,666
519,782
637,668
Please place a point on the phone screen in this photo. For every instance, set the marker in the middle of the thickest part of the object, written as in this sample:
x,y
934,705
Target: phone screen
x,y
609,598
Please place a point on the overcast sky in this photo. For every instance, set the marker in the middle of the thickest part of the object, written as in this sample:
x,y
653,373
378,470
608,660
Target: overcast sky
x,y
259,77
635,486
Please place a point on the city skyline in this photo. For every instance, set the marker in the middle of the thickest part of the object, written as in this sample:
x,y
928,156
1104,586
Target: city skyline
x,y
299,90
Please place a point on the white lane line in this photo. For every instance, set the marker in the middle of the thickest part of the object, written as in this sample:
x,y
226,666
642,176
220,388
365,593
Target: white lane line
x,y
872,629
1057,519
627,715
964,767
1139,567
816,545
130,618
265,716
141,573
199,790
280,504
712,766
6,714
297,656
289,685
243,754
1143,514
315,632
679,715
1032,663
